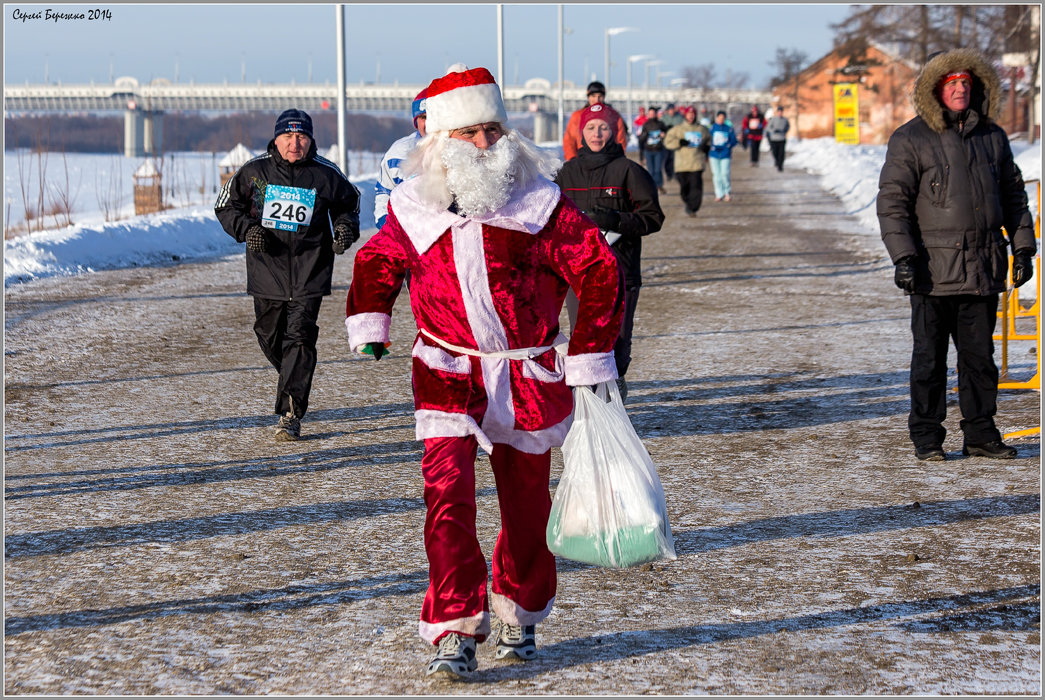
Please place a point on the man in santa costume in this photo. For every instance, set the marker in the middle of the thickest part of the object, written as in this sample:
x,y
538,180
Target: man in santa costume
x,y
491,246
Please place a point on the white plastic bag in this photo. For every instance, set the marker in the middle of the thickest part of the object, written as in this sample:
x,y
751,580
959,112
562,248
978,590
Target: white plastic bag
x,y
609,508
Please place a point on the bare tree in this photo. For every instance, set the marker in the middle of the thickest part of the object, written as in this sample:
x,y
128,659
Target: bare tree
x,y
25,165
736,81
1021,34
701,78
40,149
917,31
63,197
109,190
789,64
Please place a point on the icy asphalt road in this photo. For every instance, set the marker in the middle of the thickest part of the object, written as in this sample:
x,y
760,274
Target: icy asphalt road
x,y
159,542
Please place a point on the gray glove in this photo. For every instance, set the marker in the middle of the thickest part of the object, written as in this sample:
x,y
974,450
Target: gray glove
x,y
344,237
257,239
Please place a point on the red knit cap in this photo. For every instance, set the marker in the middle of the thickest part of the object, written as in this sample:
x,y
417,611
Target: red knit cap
x,y
602,112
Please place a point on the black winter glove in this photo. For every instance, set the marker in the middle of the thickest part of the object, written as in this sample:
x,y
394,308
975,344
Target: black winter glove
x,y
605,218
344,237
1022,267
257,239
904,274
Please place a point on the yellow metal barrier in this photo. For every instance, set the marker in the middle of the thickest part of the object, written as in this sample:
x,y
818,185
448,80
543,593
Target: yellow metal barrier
x,y
1011,309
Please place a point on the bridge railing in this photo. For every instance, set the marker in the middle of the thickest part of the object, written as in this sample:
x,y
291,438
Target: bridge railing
x,y
128,94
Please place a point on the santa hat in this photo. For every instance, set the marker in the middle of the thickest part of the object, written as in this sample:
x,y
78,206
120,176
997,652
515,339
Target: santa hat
x,y
599,111
463,98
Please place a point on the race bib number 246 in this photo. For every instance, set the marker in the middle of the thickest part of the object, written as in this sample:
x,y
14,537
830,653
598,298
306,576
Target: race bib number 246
x,y
287,208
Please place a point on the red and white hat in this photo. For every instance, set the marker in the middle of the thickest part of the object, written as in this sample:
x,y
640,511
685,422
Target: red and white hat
x,y
462,98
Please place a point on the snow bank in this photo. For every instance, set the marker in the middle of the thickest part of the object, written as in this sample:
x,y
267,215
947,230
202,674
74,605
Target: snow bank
x,y
175,235
142,240
851,172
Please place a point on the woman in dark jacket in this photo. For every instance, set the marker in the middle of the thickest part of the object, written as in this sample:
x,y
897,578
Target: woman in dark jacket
x,y
619,195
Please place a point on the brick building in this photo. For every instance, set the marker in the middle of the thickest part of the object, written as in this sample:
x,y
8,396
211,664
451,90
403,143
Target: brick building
x,y
884,83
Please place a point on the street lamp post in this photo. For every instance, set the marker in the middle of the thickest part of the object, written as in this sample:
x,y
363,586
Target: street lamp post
x,y
613,31
648,64
632,59
679,82
562,42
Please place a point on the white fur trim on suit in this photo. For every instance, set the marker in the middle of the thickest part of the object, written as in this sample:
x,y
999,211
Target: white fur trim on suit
x,y
430,423
589,368
474,626
437,358
528,211
465,106
508,611
367,328
534,442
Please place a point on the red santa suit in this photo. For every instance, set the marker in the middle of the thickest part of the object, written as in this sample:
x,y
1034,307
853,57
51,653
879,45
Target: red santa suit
x,y
490,368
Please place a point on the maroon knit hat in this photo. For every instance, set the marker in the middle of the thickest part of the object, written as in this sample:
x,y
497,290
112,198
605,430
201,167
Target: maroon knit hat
x,y
600,111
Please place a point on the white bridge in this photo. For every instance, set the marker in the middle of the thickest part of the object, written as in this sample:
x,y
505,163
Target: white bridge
x,y
144,104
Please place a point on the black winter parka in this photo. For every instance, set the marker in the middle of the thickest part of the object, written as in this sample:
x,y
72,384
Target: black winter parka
x,y
609,179
949,185
297,264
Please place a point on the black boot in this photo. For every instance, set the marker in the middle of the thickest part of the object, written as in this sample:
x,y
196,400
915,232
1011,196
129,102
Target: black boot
x,y
995,449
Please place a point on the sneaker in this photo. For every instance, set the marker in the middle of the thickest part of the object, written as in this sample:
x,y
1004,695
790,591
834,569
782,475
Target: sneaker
x,y
622,387
515,642
931,453
995,449
288,428
455,658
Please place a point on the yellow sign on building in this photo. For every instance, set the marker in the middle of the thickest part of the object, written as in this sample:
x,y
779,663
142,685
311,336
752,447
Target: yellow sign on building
x,y
847,113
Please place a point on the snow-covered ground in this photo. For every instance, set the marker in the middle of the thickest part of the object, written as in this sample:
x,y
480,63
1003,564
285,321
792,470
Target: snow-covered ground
x,y
159,542
189,229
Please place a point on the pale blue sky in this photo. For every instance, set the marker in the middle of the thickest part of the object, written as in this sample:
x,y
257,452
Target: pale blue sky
x,y
408,43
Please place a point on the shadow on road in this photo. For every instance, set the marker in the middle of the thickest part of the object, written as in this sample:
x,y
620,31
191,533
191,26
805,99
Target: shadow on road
x,y
273,600
1009,606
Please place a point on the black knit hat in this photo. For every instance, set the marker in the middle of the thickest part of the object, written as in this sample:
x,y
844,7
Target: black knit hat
x,y
294,120
595,87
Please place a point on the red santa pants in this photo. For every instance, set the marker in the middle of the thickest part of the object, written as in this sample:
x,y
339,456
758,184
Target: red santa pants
x,y
523,568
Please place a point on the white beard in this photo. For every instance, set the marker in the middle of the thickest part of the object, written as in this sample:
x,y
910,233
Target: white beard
x,y
481,181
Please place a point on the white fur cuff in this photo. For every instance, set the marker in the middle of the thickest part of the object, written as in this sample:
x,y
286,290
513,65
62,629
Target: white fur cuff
x,y
510,612
590,368
474,626
367,328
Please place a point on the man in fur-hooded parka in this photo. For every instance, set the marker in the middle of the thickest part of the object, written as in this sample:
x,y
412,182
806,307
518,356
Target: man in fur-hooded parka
x,y
948,187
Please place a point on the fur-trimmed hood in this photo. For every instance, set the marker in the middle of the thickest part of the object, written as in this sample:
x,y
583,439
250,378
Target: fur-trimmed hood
x,y
986,86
